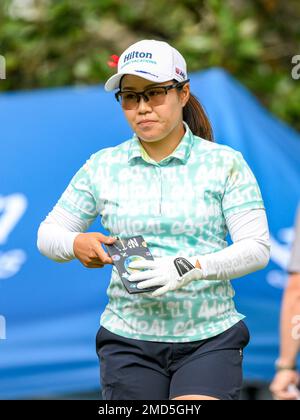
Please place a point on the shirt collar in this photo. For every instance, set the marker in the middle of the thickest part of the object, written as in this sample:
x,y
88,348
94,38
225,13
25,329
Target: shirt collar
x,y
182,151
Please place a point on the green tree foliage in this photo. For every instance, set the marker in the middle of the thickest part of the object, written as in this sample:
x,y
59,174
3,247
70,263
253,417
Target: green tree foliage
x,y
54,43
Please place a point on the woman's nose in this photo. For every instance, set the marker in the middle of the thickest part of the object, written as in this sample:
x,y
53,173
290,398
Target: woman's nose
x,y
143,104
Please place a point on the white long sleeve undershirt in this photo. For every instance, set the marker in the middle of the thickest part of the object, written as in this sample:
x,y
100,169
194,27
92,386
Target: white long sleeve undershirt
x,y
248,230
57,233
249,252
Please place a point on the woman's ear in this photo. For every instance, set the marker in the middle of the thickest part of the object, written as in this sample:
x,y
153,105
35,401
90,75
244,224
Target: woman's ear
x,y
185,94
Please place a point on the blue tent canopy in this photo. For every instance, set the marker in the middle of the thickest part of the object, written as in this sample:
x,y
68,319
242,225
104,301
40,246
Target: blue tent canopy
x,y
49,312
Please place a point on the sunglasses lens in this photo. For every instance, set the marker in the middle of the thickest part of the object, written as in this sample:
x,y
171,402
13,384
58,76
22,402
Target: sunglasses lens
x,y
130,100
156,96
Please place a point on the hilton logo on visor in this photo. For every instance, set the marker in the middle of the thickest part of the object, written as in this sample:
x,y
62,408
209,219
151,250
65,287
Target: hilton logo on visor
x,y
137,54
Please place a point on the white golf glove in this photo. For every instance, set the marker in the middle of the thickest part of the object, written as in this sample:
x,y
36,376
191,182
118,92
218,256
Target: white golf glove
x,y
169,272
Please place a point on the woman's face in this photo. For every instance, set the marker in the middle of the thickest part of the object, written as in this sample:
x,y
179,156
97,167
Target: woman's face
x,y
153,123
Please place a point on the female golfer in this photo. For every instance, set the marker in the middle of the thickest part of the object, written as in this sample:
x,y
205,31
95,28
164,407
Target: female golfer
x,y
183,193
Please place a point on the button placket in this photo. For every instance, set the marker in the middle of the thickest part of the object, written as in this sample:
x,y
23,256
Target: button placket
x,y
160,189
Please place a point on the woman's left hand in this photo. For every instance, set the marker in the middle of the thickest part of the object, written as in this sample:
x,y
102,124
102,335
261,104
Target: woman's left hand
x,y
163,272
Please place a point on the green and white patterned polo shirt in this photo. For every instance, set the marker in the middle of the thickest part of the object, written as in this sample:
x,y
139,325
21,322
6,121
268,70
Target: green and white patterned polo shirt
x,y
179,205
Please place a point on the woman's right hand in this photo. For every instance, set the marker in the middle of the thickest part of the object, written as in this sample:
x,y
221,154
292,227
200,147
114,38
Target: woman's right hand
x,y
88,250
280,385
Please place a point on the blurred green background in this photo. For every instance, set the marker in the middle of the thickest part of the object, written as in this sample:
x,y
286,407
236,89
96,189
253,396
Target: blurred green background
x,y
50,43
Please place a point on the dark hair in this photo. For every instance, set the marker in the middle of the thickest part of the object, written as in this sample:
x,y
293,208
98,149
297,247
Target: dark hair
x,y
196,118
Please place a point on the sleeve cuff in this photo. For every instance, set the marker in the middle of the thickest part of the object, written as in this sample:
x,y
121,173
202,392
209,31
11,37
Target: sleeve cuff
x,y
69,238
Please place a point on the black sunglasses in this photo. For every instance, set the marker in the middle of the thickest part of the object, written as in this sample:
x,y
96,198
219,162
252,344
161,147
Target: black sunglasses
x,y
155,95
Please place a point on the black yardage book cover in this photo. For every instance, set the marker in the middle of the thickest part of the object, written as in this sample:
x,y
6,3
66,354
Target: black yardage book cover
x,y
123,252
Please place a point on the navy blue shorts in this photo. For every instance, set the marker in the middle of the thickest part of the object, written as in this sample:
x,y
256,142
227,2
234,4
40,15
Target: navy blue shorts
x,y
133,369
